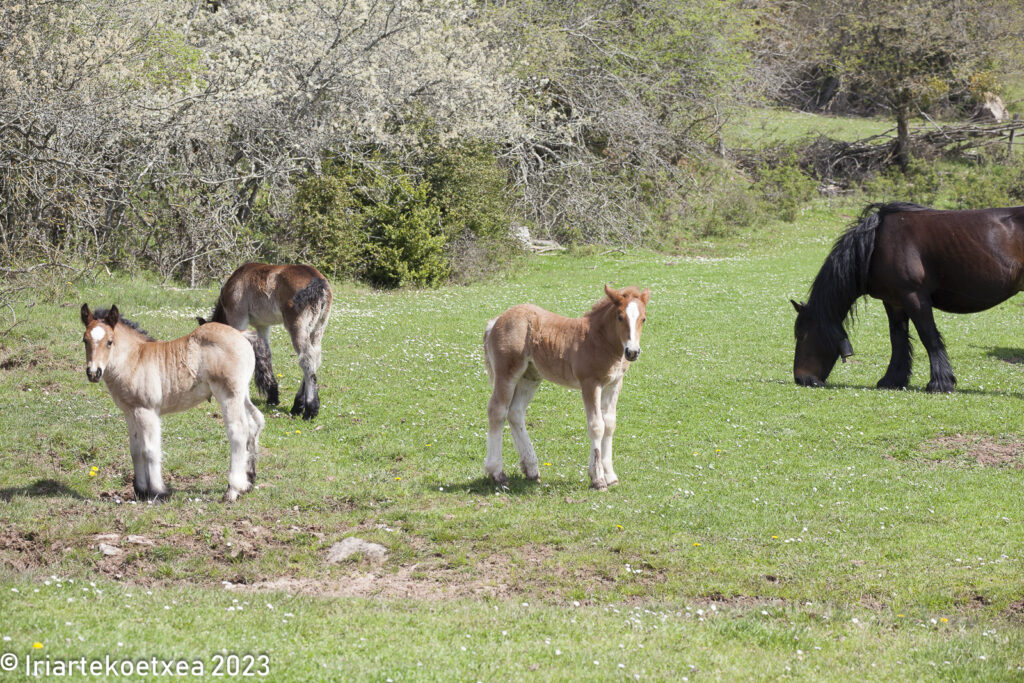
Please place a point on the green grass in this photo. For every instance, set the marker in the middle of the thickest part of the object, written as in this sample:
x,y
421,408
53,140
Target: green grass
x,y
758,525
764,127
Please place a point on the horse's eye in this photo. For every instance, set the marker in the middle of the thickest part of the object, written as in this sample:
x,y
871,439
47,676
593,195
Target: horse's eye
x,y
643,320
620,316
110,342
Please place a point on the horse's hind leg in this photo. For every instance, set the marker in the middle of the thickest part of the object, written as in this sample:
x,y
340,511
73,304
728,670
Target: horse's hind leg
x,y
306,333
273,396
524,391
256,423
497,412
237,422
897,376
919,307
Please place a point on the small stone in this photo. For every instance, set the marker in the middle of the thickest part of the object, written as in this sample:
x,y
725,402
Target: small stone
x,y
343,550
109,550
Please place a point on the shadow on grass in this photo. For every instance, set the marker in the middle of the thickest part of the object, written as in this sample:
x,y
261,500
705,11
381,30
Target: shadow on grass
x,y
916,389
1013,356
44,488
517,485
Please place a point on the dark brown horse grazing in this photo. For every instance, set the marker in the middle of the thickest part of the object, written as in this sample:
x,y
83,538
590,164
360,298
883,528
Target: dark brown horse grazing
x,y
914,259
298,296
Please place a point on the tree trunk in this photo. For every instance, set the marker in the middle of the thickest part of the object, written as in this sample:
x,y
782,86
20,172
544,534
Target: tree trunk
x,y
903,137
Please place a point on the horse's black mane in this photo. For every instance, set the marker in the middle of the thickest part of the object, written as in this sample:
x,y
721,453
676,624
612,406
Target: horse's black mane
x,y
101,313
843,277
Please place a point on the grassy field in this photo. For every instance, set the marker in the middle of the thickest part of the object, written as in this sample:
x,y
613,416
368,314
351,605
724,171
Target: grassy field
x,y
761,530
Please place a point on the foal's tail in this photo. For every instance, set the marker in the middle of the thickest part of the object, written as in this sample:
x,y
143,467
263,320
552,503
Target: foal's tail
x,y
263,374
318,292
487,356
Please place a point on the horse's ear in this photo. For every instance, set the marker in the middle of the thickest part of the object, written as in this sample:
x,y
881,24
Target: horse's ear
x,y
612,294
86,315
645,295
798,307
113,315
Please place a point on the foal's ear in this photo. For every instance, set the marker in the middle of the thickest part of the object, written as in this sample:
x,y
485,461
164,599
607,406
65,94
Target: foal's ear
x,y
798,307
645,295
86,315
612,294
113,315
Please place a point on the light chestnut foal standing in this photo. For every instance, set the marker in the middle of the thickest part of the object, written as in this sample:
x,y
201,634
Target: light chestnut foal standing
x,y
527,344
149,378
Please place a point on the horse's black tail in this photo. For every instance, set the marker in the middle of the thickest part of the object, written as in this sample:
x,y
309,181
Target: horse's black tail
x,y
315,292
266,384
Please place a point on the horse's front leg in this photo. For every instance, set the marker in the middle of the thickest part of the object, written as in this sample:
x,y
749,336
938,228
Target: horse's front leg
x,y
919,306
136,446
595,430
609,401
148,423
897,376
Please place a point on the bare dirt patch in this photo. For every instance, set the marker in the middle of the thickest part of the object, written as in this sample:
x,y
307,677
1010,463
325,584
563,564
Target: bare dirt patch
x,y
985,450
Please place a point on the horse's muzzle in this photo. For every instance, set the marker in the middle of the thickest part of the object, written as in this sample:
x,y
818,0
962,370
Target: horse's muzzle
x,y
632,354
94,376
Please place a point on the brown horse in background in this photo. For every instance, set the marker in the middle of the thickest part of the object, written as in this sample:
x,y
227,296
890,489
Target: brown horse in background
x,y
526,344
914,259
298,297
148,379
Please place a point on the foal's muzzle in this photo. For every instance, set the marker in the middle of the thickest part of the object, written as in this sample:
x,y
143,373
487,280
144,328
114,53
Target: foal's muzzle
x,y
94,375
632,354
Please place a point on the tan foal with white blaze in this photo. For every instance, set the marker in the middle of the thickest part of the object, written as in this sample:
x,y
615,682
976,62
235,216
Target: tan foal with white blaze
x,y
527,344
148,379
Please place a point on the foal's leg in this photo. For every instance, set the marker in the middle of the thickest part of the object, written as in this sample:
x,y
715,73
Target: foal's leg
x,y
497,412
273,397
524,391
609,402
307,400
898,374
237,423
919,306
136,446
595,430
256,422
148,422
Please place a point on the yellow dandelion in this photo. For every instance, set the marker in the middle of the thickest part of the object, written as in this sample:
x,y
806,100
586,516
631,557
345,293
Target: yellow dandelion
x,y
696,545
92,473
398,479
774,536
280,375
547,464
297,431
944,620
428,445
37,645
899,616
618,526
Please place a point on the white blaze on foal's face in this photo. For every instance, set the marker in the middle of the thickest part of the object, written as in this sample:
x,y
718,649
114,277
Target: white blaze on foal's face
x,y
633,318
98,340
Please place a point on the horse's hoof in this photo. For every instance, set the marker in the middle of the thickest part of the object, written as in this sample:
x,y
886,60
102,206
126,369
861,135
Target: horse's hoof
x,y
613,482
601,485
535,479
940,387
272,397
891,384
230,496
500,478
